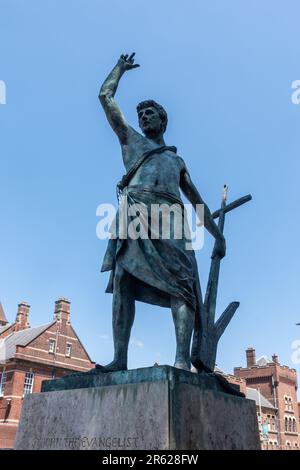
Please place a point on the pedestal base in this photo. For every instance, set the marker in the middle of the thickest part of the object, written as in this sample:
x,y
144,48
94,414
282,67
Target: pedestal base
x,y
153,408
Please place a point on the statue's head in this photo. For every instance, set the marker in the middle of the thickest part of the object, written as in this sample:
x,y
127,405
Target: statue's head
x,y
153,119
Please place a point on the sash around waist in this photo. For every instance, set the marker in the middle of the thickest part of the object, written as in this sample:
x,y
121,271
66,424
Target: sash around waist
x,y
144,189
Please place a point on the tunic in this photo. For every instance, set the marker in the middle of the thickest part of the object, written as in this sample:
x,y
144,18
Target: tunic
x,y
162,267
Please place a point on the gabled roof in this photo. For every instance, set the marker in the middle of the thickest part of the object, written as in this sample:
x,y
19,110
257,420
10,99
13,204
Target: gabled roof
x,y
263,361
3,319
21,338
79,341
260,400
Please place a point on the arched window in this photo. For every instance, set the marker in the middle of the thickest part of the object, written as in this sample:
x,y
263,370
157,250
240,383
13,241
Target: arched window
x,y
290,404
290,425
273,423
286,424
294,426
286,403
288,445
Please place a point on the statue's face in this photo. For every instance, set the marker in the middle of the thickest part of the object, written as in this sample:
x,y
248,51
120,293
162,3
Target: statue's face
x,y
150,121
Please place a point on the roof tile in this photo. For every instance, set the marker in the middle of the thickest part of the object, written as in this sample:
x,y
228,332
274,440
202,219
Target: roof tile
x,y
21,338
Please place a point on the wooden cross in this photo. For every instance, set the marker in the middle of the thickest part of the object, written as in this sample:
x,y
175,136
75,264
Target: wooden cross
x,y
208,332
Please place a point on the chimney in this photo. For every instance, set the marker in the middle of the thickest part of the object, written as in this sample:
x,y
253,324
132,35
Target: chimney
x,y
62,311
22,318
3,319
251,357
275,359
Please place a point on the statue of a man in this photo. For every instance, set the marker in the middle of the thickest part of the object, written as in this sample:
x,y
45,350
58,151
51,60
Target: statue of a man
x,y
156,271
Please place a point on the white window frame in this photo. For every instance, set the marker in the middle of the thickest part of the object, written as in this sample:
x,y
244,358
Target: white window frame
x,y
68,349
52,346
3,381
28,383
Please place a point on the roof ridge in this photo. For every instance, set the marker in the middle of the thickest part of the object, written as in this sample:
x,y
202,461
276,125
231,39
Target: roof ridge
x,y
263,360
23,338
31,328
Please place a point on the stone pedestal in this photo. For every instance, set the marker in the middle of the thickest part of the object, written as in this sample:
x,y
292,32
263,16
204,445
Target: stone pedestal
x,y
152,408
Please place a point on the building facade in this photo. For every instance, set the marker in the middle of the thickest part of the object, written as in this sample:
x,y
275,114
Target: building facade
x,y
274,388
30,355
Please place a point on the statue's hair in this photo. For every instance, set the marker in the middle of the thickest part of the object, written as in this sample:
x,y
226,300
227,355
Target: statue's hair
x,y
161,111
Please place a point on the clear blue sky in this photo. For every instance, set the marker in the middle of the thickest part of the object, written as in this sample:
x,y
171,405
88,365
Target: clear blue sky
x,y
223,70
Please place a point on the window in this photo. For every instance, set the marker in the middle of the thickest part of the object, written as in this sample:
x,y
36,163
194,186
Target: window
x,y
290,424
286,424
52,344
28,384
273,423
3,377
260,421
68,349
286,403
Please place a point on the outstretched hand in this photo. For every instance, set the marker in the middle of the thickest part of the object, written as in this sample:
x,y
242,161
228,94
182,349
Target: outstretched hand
x,y
127,62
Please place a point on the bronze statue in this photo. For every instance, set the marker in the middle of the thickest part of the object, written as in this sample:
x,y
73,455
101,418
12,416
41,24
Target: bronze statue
x,y
160,272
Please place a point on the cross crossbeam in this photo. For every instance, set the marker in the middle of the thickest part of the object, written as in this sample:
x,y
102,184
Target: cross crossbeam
x,y
232,205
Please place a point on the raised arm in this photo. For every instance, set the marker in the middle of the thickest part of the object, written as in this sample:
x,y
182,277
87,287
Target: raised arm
x,y
192,194
107,92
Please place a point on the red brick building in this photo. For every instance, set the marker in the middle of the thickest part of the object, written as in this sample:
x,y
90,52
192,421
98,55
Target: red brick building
x,y
274,388
266,412
30,355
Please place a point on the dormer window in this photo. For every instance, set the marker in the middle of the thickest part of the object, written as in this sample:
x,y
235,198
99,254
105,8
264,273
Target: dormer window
x,y
52,344
68,349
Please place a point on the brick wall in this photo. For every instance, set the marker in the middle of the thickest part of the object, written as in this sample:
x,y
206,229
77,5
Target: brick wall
x,y
68,355
12,401
278,384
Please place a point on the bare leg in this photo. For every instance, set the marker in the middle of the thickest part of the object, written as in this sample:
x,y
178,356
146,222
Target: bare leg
x,y
183,317
122,319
